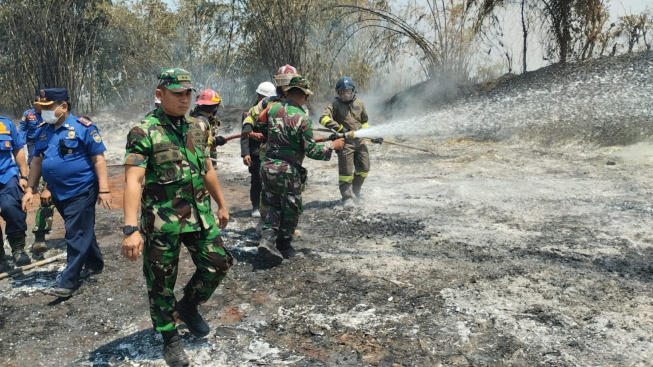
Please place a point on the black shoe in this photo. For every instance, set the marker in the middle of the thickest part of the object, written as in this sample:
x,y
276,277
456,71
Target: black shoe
x,y
284,245
87,272
21,259
59,292
191,317
39,246
173,350
268,248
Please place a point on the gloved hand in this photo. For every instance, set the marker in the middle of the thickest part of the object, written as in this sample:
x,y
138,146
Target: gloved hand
x,y
377,140
343,130
220,140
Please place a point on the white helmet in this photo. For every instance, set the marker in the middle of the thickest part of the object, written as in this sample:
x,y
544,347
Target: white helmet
x,y
266,89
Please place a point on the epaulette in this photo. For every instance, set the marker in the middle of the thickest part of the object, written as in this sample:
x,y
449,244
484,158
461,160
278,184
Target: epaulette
x,y
41,124
84,121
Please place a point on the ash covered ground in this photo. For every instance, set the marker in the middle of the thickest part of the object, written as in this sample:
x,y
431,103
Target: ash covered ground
x,y
515,248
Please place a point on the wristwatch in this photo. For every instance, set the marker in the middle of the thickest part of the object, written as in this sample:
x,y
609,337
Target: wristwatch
x,y
129,229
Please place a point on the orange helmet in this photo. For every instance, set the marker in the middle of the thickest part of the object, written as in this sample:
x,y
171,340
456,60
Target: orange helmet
x,y
286,73
208,97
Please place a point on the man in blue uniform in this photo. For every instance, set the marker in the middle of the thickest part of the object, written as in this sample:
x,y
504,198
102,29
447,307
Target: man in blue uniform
x,y
28,126
30,122
70,154
13,180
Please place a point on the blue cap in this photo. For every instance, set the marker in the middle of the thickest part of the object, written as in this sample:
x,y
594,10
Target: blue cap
x,y
51,95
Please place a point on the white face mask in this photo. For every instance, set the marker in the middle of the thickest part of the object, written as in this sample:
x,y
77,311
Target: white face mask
x,y
49,116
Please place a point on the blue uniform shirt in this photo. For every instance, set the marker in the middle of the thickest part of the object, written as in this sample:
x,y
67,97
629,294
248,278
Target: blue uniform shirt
x,y
30,123
10,140
67,150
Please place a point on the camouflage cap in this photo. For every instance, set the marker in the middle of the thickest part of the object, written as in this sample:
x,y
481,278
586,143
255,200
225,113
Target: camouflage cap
x,y
176,80
299,82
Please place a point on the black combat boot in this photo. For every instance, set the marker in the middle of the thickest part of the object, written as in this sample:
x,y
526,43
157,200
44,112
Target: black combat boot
x,y
173,350
284,245
189,314
268,248
39,246
4,265
17,243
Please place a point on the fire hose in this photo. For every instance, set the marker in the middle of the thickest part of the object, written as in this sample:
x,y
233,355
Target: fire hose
x,y
227,138
352,135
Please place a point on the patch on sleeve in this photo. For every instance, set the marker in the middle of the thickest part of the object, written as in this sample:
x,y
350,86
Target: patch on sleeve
x,y
96,137
23,119
84,121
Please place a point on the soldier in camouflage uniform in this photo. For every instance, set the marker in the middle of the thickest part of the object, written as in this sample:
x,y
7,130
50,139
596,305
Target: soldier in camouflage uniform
x,y
170,151
250,125
290,139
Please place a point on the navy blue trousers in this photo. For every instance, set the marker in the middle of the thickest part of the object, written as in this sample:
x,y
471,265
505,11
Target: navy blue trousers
x,y
10,202
78,213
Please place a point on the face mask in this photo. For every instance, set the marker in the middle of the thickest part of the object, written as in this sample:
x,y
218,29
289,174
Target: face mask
x,y
345,96
49,116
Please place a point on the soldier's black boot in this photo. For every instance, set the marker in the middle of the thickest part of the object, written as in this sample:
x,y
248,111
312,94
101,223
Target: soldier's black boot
x,y
17,243
173,350
39,246
4,265
189,314
268,248
284,245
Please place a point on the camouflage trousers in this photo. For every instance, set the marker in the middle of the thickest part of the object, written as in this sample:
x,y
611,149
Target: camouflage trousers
x,y
44,216
284,193
160,264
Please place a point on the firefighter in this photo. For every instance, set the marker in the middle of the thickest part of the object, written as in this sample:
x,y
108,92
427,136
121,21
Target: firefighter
x,y
250,152
346,113
206,107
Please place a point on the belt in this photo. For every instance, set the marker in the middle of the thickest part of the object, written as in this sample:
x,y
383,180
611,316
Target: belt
x,y
32,140
303,172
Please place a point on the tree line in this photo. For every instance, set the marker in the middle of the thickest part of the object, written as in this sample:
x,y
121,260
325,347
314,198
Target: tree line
x,y
107,53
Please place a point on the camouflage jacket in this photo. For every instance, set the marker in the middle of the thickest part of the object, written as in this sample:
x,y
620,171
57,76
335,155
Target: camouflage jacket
x,y
174,156
290,135
351,115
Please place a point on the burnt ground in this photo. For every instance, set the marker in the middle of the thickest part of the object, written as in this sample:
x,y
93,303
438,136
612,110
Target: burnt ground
x,y
522,238
477,254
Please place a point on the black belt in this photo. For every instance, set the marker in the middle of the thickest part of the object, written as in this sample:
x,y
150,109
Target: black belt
x,y
303,172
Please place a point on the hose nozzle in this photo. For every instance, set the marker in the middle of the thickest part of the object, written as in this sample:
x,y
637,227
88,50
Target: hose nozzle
x,y
347,135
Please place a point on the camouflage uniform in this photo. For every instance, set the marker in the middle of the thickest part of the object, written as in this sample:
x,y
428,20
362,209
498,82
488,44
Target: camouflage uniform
x,y
290,138
175,209
354,158
43,220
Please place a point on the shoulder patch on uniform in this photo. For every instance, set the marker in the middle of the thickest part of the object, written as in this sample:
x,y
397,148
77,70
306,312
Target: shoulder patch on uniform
x,y
84,121
96,137
23,119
